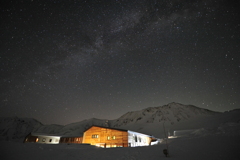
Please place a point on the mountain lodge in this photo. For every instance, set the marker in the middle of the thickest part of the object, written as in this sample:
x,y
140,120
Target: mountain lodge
x,y
104,137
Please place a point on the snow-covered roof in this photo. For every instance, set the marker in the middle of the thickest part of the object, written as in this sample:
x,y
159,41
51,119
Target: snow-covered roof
x,y
47,135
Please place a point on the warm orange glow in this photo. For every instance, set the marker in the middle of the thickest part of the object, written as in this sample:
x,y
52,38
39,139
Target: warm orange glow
x,y
36,139
95,136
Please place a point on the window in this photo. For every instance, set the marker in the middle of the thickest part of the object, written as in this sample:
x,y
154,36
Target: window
x,y
119,146
113,137
95,136
108,137
43,139
50,140
36,139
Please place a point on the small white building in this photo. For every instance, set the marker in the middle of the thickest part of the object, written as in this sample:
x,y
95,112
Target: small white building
x,y
181,133
39,138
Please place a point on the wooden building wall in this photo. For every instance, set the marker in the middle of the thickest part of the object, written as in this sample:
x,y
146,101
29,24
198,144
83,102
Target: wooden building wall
x,y
71,139
106,137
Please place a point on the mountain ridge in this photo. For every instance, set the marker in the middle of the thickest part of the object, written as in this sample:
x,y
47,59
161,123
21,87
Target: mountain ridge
x,y
174,116
163,113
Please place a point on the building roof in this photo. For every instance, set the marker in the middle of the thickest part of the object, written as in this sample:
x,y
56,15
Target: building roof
x,y
106,128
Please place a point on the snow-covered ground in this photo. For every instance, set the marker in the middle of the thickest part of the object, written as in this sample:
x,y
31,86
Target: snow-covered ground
x,y
200,134
211,147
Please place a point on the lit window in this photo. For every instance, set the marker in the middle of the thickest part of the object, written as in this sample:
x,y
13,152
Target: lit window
x,y
95,136
108,137
119,146
113,137
36,139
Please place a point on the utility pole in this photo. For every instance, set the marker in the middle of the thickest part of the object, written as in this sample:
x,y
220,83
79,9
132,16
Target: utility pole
x,y
165,151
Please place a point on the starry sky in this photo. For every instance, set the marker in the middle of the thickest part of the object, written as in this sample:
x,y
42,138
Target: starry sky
x,y
63,61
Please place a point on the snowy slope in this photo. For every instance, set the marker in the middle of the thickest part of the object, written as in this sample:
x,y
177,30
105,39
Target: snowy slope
x,y
14,128
217,147
71,129
173,116
172,113
145,121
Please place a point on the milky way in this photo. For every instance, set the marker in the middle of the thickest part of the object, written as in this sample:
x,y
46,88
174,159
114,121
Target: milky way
x,y
66,61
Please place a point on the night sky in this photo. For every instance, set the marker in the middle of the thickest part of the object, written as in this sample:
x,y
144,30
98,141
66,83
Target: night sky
x,y
63,61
